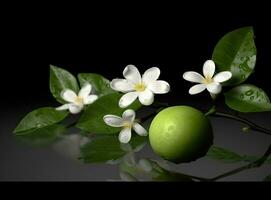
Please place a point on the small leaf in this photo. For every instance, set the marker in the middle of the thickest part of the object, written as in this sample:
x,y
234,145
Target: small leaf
x,y
224,155
267,179
247,98
236,52
105,148
42,137
92,118
227,156
61,79
100,84
38,119
158,173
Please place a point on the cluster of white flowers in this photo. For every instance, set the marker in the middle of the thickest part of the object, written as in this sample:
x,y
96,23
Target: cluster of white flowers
x,y
135,86
144,88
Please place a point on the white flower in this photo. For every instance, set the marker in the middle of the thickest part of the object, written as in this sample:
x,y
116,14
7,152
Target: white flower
x,y
139,87
127,122
76,102
210,81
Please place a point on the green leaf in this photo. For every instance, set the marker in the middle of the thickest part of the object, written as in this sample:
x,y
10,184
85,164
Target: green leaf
x,y
224,155
268,178
42,137
92,118
236,52
105,148
100,84
247,98
61,79
227,156
38,119
158,173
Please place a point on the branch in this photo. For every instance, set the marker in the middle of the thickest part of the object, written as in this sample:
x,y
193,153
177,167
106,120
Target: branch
x,y
251,125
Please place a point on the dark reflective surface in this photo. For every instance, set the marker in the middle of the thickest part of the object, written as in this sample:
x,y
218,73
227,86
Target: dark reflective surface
x,y
59,154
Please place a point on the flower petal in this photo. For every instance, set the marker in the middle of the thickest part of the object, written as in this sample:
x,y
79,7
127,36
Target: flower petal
x,y
113,120
140,130
85,90
90,99
197,89
122,85
159,87
132,74
75,109
146,97
194,77
125,135
69,95
63,107
214,88
151,75
222,76
209,68
127,99
129,115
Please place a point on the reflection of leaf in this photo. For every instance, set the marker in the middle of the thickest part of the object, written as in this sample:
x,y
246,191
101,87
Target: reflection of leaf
x,y
61,79
248,98
92,118
105,148
160,174
125,176
267,179
42,137
38,119
236,52
153,170
100,84
227,156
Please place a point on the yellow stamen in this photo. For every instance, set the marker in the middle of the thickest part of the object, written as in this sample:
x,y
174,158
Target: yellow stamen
x,y
140,87
128,125
79,100
208,80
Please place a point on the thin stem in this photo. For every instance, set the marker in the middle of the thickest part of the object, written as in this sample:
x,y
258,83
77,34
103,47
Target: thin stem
x,y
251,125
252,165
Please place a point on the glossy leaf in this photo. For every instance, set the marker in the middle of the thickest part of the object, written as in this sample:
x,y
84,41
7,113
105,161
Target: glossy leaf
x,y
227,156
236,52
107,148
38,119
248,98
42,137
61,79
100,84
224,155
92,119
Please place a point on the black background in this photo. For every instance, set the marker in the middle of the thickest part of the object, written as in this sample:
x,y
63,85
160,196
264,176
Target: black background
x,y
105,39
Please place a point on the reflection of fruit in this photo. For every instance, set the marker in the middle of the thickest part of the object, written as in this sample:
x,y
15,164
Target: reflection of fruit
x,y
180,134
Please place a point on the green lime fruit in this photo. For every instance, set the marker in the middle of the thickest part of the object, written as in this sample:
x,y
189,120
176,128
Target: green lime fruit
x,y
180,134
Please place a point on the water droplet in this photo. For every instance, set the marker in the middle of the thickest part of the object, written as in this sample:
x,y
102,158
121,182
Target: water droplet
x,y
249,92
